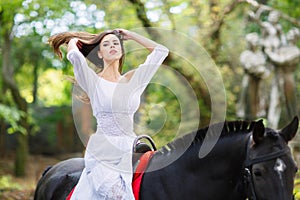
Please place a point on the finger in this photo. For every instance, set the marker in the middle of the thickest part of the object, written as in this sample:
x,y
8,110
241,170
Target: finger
x,y
79,44
117,31
120,30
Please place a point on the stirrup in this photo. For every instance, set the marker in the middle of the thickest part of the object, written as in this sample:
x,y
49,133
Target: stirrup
x,y
142,147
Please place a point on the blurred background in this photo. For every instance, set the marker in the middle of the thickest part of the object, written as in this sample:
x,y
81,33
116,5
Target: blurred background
x,y
37,126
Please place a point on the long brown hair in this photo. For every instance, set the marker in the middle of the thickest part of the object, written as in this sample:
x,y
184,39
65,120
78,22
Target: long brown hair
x,y
88,45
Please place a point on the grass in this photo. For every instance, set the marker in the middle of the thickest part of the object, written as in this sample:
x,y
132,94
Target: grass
x,y
7,183
297,186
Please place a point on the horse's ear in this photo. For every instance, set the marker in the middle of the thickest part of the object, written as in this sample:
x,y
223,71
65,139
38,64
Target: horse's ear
x,y
289,132
258,131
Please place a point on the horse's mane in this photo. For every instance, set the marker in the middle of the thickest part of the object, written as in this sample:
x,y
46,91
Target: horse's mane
x,y
226,128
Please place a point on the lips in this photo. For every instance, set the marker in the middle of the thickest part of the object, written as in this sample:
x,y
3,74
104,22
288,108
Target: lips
x,y
113,52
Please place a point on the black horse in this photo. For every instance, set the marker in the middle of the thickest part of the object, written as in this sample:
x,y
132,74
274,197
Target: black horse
x,y
247,161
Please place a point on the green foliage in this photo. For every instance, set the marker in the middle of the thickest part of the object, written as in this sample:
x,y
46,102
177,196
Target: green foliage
x,y
6,182
8,9
54,89
297,186
49,118
12,116
160,116
286,5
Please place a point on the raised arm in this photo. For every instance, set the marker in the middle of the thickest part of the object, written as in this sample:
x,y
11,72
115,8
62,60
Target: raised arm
x,y
154,59
146,42
84,75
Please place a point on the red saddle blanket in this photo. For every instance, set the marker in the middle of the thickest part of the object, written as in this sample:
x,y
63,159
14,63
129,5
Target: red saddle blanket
x,y
139,172
137,176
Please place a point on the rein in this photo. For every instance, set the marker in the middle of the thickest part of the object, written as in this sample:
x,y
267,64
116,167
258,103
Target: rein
x,y
249,162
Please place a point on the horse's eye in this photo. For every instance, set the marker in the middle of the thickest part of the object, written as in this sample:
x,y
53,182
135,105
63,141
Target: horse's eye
x,y
257,173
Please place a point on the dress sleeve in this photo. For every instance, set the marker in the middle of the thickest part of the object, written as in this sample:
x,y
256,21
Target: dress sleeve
x,y
145,72
84,75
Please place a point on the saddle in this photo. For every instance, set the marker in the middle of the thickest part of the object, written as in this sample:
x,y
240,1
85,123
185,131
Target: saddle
x,y
140,147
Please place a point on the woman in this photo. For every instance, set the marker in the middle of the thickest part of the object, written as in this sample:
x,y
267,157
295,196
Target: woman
x,y
114,99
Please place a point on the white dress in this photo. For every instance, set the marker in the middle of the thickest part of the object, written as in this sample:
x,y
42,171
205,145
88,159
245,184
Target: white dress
x,y
108,158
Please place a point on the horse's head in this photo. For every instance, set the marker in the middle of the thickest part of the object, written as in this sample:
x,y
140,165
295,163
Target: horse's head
x,y
269,168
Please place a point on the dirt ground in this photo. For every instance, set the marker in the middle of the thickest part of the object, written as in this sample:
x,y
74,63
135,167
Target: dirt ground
x,y
23,188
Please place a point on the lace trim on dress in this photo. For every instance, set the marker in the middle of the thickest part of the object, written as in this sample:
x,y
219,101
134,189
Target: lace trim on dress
x,y
115,124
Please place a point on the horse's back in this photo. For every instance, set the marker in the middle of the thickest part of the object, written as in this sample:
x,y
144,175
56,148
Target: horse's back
x,y
59,180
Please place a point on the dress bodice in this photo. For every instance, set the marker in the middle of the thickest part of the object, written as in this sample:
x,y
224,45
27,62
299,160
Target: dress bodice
x,y
114,103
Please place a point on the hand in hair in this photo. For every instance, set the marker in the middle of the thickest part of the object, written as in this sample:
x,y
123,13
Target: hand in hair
x,y
55,41
126,35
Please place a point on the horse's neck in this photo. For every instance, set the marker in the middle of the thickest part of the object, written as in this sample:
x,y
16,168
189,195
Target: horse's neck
x,y
228,148
221,166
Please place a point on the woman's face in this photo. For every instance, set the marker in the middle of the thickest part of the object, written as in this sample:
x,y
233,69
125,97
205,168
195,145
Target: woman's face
x,y
110,48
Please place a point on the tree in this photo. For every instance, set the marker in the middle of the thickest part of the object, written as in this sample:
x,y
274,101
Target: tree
x,y
10,23
9,83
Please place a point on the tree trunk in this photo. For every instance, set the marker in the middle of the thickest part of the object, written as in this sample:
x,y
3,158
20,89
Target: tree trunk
x,y
21,154
8,80
2,138
35,82
218,19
